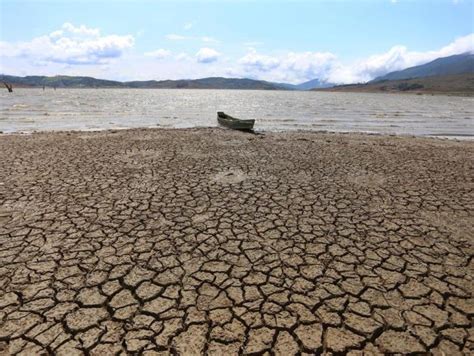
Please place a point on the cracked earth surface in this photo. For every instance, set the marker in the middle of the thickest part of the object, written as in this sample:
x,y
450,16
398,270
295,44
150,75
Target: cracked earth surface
x,y
207,241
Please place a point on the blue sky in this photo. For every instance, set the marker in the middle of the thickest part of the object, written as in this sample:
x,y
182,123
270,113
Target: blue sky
x,y
339,41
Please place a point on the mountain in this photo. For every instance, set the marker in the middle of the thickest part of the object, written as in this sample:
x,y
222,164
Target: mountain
x,y
452,65
458,84
311,84
63,81
205,83
60,81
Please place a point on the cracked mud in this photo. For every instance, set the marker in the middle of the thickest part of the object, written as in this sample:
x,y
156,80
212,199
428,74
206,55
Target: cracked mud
x,y
215,242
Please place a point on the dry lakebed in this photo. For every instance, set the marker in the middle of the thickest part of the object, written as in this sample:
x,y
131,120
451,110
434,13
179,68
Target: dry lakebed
x,y
208,241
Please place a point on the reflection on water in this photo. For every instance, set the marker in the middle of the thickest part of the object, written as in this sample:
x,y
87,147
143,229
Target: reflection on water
x,y
86,109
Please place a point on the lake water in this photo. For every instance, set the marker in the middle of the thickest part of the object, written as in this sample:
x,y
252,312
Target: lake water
x,y
28,110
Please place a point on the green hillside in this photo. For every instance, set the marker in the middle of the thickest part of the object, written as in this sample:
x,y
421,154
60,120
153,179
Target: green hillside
x,y
452,65
461,84
89,82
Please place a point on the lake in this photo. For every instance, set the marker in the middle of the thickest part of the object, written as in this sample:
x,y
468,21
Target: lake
x,y
27,110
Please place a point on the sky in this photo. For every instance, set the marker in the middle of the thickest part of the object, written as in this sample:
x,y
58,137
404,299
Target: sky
x,y
338,41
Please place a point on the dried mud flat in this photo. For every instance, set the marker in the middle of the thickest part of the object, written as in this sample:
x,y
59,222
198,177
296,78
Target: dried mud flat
x,y
177,242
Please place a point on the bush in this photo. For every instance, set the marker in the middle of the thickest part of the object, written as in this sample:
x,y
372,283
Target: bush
x,y
407,86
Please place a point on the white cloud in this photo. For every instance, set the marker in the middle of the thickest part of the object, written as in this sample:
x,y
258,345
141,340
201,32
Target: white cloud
x,y
292,67
187,26
175,37
460,45
297,67
183,57
259,62
397,58
159,53
208,39
309,64
70,45
81,30
371,67
207,55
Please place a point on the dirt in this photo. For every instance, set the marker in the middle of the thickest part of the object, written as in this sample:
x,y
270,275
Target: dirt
x,y
208,241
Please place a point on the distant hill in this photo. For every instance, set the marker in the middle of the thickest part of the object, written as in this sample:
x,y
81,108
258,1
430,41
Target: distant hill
x,y
311,84
315,83
63,81
452,65
459,84
60,81
205,83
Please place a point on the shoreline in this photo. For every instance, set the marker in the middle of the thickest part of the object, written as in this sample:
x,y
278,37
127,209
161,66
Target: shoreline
x,y
462,94
451,137
466,94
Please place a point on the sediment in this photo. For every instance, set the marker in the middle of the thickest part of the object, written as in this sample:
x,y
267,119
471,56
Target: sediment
x,y
208,241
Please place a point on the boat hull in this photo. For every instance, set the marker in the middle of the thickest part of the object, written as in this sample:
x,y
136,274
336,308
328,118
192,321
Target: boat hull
x,y
235,124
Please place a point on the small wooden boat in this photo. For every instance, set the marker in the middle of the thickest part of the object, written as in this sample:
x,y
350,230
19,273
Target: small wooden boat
x,y
233,123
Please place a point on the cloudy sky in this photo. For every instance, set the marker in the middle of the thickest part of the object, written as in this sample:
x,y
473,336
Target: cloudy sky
x,y
340,41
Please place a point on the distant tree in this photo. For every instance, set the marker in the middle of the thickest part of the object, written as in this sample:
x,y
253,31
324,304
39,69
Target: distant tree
x,y
9,87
